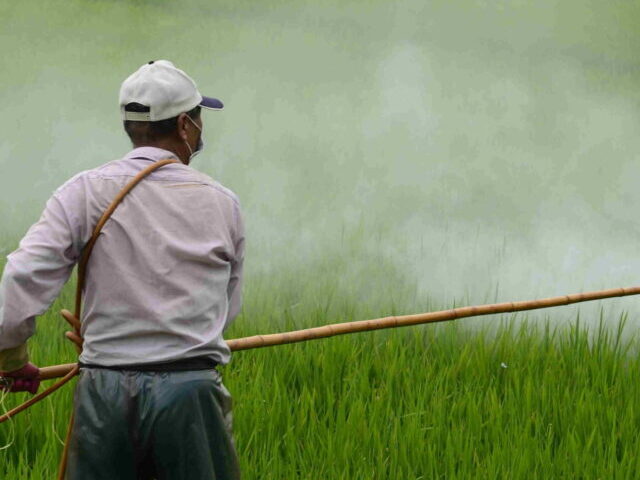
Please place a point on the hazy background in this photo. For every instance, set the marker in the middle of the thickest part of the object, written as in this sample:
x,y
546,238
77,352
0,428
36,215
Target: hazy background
x,y
437,151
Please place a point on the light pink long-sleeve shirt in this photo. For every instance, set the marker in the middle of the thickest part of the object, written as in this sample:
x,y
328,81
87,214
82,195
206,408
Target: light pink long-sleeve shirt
x,y
164,279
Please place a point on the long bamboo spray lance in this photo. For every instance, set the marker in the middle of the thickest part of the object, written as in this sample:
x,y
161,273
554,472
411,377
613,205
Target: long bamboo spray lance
x,y
325,331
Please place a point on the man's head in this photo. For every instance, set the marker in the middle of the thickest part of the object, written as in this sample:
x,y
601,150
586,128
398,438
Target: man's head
x,y
160,106
181,134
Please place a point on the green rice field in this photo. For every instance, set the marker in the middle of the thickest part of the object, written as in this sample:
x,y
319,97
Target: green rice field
x,y
480,398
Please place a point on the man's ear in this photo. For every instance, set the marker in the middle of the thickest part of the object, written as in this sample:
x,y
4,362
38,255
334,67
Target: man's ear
x,y
182,126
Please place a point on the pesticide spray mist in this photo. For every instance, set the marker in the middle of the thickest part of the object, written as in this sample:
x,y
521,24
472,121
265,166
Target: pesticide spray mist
x,y
419,153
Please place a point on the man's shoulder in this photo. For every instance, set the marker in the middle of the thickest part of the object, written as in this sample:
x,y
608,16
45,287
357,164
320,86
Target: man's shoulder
x,y
124,167
215,185
79,178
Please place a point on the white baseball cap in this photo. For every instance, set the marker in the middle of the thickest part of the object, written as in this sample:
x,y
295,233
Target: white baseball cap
x,y
166,90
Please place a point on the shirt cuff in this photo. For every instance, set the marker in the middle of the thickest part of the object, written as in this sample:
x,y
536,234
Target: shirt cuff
x,y
14,358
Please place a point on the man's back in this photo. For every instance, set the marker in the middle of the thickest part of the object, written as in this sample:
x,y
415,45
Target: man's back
x,y
162,281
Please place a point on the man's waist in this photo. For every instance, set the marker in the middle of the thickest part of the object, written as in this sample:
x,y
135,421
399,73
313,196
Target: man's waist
x,y
181,365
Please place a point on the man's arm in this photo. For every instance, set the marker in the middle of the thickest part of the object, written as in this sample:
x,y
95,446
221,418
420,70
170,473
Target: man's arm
x,y
32,279
234,289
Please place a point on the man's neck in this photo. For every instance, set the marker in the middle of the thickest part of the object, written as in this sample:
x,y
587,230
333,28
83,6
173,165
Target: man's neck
x,y
170,146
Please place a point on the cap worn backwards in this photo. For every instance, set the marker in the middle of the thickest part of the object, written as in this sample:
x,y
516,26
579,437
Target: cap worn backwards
x,y
166,90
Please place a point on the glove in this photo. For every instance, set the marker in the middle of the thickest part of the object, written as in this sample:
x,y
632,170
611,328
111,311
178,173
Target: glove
x,y
24,379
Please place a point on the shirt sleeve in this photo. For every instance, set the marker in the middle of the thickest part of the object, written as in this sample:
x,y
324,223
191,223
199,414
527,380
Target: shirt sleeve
x,y
234,289
33,277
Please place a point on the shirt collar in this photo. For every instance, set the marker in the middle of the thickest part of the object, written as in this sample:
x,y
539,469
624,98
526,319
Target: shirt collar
x,y
150,153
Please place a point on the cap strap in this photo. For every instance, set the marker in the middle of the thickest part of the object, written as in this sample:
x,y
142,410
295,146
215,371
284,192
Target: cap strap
x,y
137,116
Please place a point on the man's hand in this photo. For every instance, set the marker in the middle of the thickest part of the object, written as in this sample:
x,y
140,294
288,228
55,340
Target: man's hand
x,y
24,379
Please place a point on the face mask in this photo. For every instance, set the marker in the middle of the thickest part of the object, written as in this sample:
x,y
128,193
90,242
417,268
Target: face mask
x,y
199,146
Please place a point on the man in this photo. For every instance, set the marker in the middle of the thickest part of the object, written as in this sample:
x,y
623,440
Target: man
x,y
163,282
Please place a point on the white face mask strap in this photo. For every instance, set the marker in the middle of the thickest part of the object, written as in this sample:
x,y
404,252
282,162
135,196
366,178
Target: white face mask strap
x,y
194,123
187,143
190,150
200,145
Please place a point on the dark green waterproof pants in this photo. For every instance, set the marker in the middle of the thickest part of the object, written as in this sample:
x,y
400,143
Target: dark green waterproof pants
x,y
132,425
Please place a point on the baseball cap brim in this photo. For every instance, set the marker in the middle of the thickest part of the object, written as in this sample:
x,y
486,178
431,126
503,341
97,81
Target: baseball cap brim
x,y
211,103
